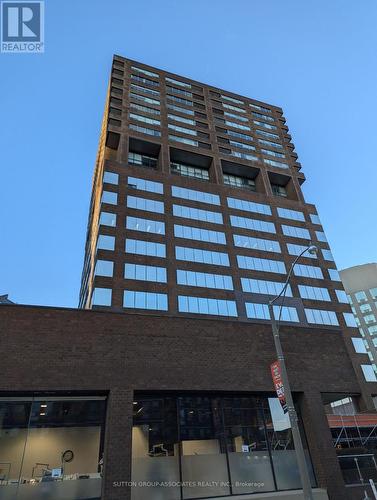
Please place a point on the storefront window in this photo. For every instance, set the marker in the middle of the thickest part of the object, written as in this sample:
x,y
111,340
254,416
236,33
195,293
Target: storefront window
x,y
51,448
201,446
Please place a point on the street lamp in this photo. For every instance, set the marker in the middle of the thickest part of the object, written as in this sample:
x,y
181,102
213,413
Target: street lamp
x,y
304,475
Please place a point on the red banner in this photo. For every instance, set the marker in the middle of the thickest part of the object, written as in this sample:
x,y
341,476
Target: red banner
x,y
278,383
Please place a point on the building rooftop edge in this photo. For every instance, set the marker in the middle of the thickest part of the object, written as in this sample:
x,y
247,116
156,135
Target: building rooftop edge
x,y
277,108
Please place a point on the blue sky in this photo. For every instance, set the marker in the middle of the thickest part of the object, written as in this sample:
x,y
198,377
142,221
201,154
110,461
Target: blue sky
x,y
315,59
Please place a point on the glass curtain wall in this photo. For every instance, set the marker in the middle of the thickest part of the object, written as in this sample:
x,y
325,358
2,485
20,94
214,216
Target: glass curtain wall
x,y
202,446
51,448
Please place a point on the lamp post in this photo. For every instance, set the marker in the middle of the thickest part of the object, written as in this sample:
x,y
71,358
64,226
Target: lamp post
x,y
300,455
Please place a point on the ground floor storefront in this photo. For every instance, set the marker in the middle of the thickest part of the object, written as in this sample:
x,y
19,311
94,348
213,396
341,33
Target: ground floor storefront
x,y
129,407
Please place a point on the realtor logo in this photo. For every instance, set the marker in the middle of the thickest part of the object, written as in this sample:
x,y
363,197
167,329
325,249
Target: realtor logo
x,y
22,27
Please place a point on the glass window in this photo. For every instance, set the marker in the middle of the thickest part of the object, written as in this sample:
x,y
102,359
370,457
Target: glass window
x,y
279,190
274,163
321,317
237,117
286,213
139,88
183,140
241,182
321,236
144,119
298,249
308,271
174,90
183,130
239,135
145,248
314,293
145,225
231,99
260,311
107,219
373,292
145,130
109,197
267,134
199,234
245,437
104,268
205,280
105,242
256,243
249,206
270,143
327,255
315,219
341,296
334,275
180,100
144,71
205,305
146,185
237,125
361,296
276,154
266,265
145,273
296,232
145,300
192,194
369,373
364,308
233,108
265,125
181,119
252,224
197,214
145,81
181,110
264,287
141,160
242,155
47,442
369,318
101,297
110,178
142,98
359,345
189,171
145,109
372,330
178,82
145,204
203,256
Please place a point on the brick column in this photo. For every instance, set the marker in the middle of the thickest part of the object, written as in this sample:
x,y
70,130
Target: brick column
x,y
323,454
117,448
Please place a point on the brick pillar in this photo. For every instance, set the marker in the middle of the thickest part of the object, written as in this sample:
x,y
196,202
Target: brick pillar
x,y
323,454
117,448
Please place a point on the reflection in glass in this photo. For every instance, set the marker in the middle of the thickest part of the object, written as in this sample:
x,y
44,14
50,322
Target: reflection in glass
x,y
46,446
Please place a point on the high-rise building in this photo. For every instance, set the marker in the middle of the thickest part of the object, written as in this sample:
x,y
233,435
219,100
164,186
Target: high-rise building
x,y
360,283
159,385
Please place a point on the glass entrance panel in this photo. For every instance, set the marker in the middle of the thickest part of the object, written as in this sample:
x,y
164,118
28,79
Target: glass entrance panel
x,y
203,450
155,449
249,458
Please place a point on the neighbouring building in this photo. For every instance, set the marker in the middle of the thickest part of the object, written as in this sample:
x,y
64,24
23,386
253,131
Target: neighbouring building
x,y
159,385
360,283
